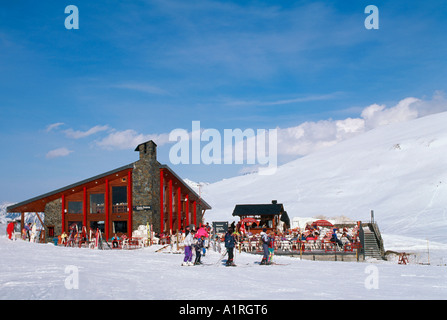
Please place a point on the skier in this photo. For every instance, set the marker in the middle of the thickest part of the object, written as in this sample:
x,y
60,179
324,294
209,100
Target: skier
x,y
230,243
10,229
265,240
271,247
188,247
199,246
202,232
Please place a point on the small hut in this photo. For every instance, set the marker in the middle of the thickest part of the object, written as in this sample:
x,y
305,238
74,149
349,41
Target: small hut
x,y
255,217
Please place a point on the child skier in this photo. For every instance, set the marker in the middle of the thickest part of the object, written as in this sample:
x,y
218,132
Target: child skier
x,y
199,246
271,247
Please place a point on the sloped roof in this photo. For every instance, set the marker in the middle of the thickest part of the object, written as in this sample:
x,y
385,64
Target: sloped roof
x,y
258,209
262,210
38,203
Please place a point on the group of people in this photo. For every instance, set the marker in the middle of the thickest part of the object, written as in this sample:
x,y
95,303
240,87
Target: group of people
x,y
29,231
267,241
194,239
339,237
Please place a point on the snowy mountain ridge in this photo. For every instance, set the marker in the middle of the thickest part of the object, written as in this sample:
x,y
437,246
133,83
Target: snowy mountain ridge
x,y
398,170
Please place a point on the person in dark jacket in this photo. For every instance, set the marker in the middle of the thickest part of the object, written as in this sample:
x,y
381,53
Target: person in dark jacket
x,y
230,243
335,239
265,240
199,246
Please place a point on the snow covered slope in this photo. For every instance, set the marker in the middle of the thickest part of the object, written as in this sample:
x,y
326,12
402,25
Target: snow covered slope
x,y
399,171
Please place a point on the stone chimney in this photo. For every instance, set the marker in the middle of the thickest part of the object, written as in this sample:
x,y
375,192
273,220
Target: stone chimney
x,y
148,150
146,185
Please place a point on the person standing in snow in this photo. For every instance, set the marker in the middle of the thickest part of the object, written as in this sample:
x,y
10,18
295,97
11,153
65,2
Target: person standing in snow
x,y
199,246
28,229
202,232
265,240
271,246
10,229
230,243
187,260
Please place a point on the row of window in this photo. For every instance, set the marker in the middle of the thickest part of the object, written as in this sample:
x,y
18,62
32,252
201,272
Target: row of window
x,y
117,226
97,202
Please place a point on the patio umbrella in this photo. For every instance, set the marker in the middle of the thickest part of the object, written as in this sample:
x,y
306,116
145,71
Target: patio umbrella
x,y
249,220
322,223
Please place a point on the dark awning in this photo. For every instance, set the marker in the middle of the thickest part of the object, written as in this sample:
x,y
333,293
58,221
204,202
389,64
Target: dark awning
x,y
258,209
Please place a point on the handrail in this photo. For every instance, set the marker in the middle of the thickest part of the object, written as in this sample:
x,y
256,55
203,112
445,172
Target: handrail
x,y
375,228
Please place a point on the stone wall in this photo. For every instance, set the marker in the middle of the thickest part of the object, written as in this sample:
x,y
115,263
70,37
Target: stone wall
x,y
146,187
53,217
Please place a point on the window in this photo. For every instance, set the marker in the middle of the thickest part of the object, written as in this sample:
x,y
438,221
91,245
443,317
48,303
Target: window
x,y
97,225
97,203
74,206
51,231
119,199
119,226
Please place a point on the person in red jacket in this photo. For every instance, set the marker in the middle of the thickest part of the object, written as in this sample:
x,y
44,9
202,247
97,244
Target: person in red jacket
x,y
10,229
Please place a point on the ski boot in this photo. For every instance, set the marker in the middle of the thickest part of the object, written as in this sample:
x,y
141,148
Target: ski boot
x,y
230,263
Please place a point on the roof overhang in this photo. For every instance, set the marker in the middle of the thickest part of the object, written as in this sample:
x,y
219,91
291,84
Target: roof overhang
x,y
37,204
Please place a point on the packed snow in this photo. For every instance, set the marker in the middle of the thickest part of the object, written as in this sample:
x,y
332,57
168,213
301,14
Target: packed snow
x,y
45,271
399,171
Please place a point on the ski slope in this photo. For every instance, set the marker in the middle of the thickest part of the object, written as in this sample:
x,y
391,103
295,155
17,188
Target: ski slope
x,y
399,171
44,271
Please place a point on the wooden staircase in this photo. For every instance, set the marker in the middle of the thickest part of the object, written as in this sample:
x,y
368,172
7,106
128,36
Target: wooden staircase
x,y
372,242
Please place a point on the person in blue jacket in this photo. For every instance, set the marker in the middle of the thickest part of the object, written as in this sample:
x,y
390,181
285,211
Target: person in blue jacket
x,y
335,238
230,243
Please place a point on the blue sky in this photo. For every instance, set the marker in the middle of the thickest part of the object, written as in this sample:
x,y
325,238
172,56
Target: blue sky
x,y
73,103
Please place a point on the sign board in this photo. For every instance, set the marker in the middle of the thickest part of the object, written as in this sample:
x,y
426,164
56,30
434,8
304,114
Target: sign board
x,y
220,226
141,208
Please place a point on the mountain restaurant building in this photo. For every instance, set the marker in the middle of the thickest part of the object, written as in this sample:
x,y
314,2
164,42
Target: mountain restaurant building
x,y
120,200
260,216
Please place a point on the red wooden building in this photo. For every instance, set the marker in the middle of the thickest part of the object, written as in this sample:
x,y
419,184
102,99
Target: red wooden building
x,y
118,201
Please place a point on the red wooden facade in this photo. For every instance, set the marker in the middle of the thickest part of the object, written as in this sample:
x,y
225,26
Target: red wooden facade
x,y
178,205
106,202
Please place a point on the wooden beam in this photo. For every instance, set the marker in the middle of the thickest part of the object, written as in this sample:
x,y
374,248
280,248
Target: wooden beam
x,y
129,203
162,204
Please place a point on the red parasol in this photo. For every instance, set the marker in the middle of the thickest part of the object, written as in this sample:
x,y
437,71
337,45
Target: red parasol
x,y
322,223
249,220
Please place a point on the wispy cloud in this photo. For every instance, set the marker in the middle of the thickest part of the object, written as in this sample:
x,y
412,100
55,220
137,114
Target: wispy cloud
x,y
53,126
308,98
77,134
56,153
141,87
128,139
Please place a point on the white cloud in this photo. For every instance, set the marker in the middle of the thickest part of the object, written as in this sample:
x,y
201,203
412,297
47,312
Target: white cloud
x,y
128,139
311,136
82,134
377,116
53,126
60,152
319,97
